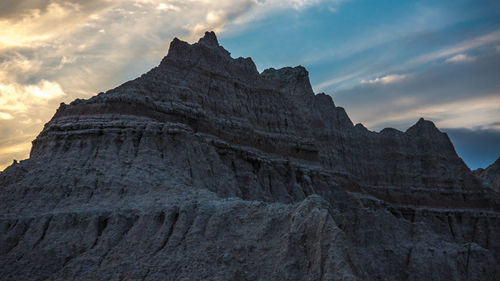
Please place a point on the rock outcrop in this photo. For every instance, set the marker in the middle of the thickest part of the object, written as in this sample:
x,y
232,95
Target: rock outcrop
x,y
205,169
490,176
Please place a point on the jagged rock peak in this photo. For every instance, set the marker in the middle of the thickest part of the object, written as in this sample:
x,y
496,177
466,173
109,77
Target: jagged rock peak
x,y
423,128
422,123
210,39
361,127
177,48
287,73
295,79
208,54
180,49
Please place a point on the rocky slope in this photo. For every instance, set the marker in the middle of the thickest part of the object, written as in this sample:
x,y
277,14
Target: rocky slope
x,y
205,169
490,176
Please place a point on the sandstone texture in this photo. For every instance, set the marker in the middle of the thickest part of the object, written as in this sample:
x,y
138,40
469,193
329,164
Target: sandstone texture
x,y
205,169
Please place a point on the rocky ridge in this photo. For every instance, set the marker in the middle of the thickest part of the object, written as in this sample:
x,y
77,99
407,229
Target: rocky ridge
x,y
490,176
205,169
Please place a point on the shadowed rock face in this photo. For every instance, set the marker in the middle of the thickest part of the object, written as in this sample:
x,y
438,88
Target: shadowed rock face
x,y
205,169
490,176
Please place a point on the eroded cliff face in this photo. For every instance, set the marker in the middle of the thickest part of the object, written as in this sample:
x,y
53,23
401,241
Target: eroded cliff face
x,y
205,169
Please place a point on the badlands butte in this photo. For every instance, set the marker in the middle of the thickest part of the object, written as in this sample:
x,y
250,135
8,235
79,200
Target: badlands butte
x,y
205,169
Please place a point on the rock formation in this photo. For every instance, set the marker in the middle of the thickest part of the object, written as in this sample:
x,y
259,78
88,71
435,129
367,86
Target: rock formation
x,y
490,176
205,169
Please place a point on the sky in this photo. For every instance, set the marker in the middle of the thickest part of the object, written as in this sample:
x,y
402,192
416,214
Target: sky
x,y
388,63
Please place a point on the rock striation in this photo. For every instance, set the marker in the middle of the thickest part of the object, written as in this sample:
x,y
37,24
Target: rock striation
x,y
205,169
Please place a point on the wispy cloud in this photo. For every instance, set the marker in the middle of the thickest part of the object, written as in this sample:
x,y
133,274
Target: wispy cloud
x,y
17,98
336,80
454,95
167,7
388,79
6,116
457,49
460,58
422,19
468,113
454,53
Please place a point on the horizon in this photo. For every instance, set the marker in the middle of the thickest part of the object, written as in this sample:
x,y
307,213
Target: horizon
x,y
441,64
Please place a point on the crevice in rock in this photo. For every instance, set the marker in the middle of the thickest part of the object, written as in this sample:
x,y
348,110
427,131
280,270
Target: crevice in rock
x,y
450,225
174,219
20,236
44,231
102,223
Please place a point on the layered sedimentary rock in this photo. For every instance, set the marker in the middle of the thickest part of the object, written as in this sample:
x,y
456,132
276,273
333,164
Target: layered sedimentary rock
x,y
205,169
490,176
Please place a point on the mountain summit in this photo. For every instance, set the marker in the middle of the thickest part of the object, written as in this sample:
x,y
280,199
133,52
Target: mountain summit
x,y
209,39
205,169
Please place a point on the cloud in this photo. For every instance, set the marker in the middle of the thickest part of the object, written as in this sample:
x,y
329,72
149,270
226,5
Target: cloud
x,y
399,28
6,116
454,95
336,80
468,113
36,26
479,41
358,70
17,9
18,98
301,4
388,79
15,151
20,89
167,7
460,58
228,16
